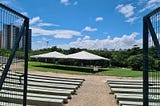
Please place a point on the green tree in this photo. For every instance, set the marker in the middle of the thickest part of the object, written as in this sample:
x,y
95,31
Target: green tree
x,y
135,62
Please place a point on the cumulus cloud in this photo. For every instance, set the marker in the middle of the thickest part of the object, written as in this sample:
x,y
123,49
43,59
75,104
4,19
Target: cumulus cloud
x,y
78,39
151,4
99,19
131,20
56,33
124,42
37,25
38,22
126,10
24,13
65,2
89,29
35,20
86,37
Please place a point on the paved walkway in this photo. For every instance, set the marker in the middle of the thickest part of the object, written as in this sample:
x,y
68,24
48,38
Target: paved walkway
x,y
94,92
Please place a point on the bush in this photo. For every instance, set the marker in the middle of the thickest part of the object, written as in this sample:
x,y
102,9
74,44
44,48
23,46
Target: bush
x,y
135,62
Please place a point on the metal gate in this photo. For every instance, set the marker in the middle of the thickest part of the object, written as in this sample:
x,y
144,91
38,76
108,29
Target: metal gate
x,y
13,57
151,58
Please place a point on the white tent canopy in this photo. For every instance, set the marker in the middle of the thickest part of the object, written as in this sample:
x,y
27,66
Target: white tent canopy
x,y
50,55
83,55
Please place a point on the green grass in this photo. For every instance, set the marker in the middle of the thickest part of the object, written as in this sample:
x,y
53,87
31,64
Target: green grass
x,y
120,72
33,65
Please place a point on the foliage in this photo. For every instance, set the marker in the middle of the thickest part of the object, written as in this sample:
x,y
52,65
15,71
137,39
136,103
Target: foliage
x,y
120,58
135,62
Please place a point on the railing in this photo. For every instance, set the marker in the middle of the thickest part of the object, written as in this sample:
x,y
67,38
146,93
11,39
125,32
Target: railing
x,y
151,58
13,56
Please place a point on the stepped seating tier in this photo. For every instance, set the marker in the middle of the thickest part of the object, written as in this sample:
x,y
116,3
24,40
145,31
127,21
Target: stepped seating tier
x,y
130,92
41,91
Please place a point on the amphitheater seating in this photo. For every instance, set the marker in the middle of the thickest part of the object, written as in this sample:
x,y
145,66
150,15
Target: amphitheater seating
x,y
130,92
42,90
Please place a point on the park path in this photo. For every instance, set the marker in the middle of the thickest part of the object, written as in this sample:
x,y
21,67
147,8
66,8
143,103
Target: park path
x,y
93,92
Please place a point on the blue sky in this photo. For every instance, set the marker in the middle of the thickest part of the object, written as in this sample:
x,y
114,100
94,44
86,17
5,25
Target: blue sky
x,y
91,24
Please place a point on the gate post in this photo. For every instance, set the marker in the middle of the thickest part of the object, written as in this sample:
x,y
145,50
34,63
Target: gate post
x,y
145,62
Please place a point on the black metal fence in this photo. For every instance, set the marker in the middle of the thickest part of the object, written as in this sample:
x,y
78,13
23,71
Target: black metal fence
x,y
151,59
13,57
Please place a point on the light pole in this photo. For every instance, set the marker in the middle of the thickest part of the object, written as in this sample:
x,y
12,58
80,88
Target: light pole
x,y
47,43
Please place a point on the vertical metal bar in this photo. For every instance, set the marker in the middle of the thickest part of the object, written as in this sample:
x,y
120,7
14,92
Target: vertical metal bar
x,y
6,69
26,63
154,36
145,62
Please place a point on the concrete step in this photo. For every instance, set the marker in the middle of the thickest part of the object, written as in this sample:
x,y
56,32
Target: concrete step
x,y
51,89
131,91
10,104
126,83
10,83
36,101
47,85
44,80
123,80
64,98
132,82
132,86
125,94
130,97
53,77
125,86
136,103
38,91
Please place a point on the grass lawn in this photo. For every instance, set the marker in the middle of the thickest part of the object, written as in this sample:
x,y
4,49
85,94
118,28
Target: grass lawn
x,y
121,72
35,66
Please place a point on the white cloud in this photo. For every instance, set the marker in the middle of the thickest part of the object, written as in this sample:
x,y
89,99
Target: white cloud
x,y
153,1
126,10
142,2
7,2
37,25
131,20
35,20
78,39
56,33
47,24
99,19
86,37
25,13
38,22
65,2
124,42
151,4
89,29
